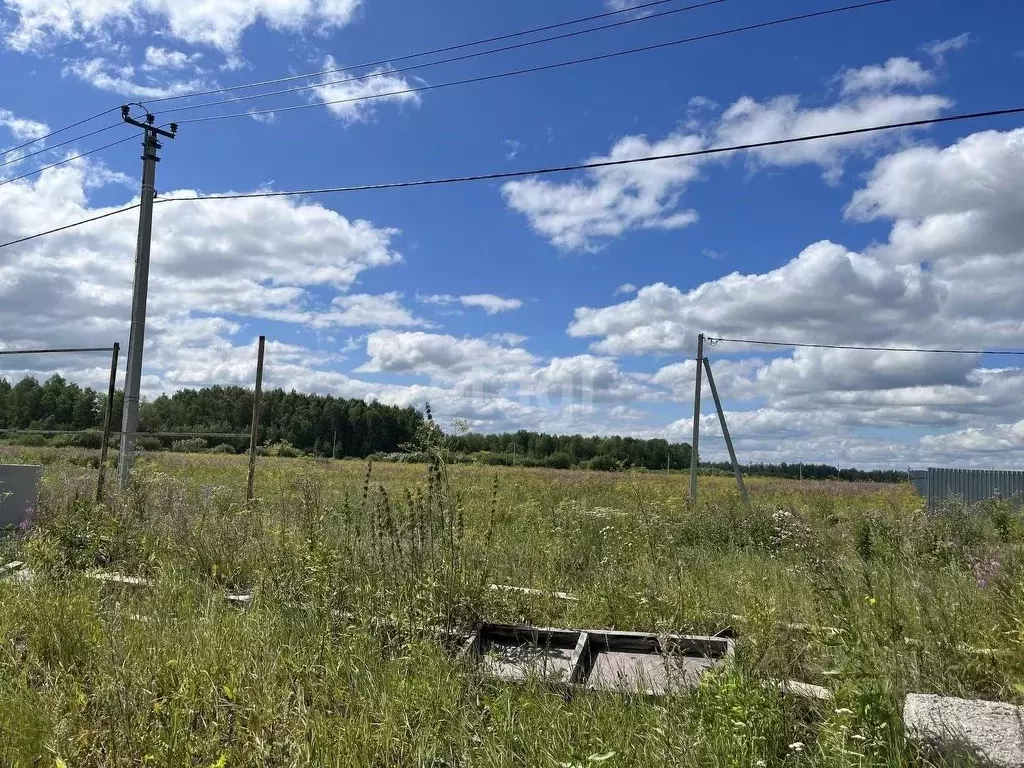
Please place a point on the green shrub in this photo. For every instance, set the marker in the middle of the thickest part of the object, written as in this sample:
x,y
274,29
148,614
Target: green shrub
x,y
223,448
558,460
148,443
493,459
189,445
284,450
91,439
29,441
604,464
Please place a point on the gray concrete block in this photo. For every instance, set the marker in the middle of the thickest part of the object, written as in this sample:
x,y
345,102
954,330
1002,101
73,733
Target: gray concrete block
x,y
988,731
19,493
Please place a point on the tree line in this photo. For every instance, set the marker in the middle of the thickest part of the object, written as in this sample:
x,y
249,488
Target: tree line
x,y
813,472
323,425
526,448
306,423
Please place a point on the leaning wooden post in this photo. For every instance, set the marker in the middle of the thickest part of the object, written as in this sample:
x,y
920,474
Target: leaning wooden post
x,y
725,433
106,420
696,422
254,435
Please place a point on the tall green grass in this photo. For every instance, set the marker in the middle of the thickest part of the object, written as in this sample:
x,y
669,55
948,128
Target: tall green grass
x,y
364,576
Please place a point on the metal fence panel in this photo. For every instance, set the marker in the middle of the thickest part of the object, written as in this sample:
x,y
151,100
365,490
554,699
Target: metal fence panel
x,y
967,485
19,493
919,479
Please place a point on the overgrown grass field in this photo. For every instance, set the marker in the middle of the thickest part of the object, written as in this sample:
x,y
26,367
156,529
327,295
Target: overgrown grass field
x,y
357,572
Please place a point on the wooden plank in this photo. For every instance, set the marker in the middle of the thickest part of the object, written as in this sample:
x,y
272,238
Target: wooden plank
x,y
119,578
11,568
566,596
580,659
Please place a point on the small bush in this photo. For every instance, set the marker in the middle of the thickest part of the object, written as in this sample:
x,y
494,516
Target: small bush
x,y
29,441
604,464
558,461
223,448
284,450
493,459
90,439
148,443
189,445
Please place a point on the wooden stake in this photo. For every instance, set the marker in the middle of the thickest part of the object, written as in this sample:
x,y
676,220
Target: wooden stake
x,y
106,420
696,422
254,436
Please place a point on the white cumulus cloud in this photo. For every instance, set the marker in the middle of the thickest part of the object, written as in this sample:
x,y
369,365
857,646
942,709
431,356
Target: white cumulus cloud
x,y
216,23
353,99
896,72
119,78
157,58
488,302
22,128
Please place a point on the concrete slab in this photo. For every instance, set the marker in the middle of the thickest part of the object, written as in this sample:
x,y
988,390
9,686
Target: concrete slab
x,y
528,661
640,662
19,493
649,673
989,731
518,653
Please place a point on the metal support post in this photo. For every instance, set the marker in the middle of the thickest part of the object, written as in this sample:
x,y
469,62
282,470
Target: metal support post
x,y
254,435
725,433
140,289
107,417
696,422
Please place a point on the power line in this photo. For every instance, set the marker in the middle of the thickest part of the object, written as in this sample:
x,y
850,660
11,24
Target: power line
x,y
611,163
758,342
66,160
463,57
545,67
550,170
98,115
406,57
54,231
55,146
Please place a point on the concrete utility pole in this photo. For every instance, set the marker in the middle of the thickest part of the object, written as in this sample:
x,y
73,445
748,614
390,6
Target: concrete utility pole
x,y
140,288
696,420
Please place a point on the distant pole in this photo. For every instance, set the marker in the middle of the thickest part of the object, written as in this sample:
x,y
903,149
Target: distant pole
x,y
801,471
668,461
107,416
334,445
696,421
725,433
140,289
254,436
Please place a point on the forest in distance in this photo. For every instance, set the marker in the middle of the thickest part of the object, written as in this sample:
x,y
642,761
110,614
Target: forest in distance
x,y
294,423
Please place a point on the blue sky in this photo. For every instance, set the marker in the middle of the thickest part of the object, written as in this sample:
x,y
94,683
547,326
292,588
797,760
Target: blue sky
x,y
568,303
